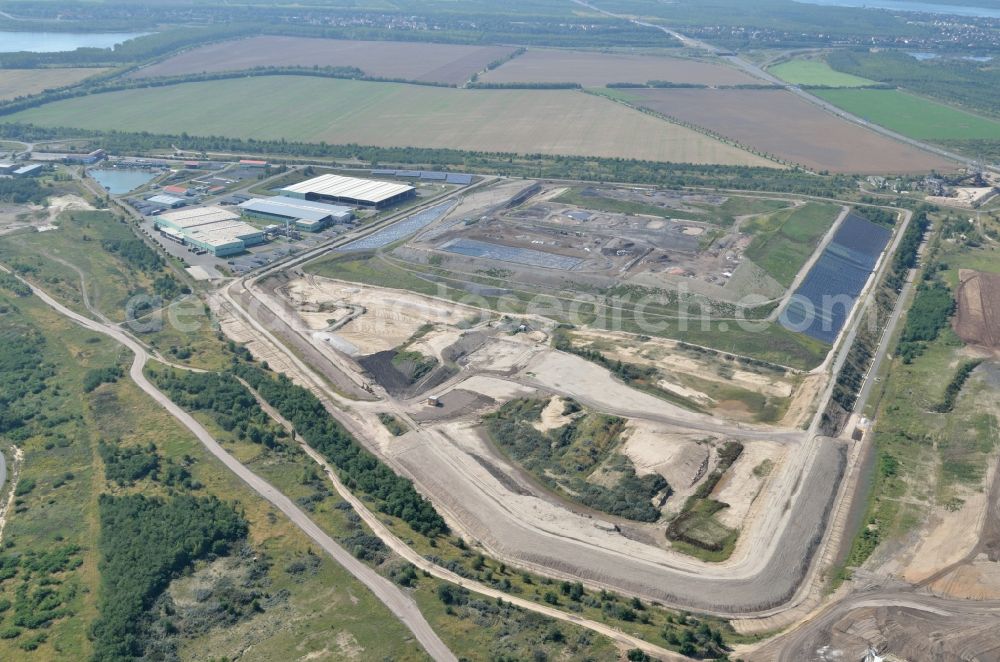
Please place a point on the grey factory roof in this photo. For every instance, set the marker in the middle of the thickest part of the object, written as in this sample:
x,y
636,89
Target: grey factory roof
x,y
164,199
294,208
189,218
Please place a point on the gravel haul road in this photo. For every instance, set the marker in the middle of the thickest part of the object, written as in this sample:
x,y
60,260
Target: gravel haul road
x,y
401,605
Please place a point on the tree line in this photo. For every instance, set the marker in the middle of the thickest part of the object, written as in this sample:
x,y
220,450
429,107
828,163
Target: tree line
x,y
596,169
356,466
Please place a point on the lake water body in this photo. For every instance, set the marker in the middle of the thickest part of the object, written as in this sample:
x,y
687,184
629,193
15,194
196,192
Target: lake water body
x,y
57,42
121,180
906,5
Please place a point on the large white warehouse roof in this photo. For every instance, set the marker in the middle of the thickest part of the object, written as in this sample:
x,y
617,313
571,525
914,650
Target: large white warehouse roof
x,y
190,218
343,188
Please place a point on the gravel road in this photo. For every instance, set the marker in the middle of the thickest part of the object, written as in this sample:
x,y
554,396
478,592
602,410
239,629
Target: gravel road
x,y
401,605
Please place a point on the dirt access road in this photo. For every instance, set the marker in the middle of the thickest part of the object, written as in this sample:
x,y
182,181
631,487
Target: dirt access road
x,y
388,593
776,556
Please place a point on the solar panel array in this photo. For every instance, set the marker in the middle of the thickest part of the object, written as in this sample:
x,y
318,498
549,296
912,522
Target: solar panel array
x,y
823,302
427,175
526,256
399,230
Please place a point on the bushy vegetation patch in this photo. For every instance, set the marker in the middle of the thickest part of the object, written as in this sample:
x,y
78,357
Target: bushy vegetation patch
x,y
566,457
144,543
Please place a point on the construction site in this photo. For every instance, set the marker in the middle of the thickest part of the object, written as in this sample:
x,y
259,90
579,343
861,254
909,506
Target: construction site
x,y
689,461
542,241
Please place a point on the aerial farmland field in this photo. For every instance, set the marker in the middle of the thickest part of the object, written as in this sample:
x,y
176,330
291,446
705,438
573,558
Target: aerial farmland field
x,y
599,69
816,72
433,63
913,116
779,123
389,114
22,82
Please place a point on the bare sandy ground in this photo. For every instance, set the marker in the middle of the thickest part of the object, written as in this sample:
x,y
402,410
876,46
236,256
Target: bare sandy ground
x,y
739,486
60,203
436,341
390,317
16,456
474,490
18,217
979,580
685,392
501,390
565,372
482,201
947,538
552,416
942,539
682,458
800,409
505,354
666,354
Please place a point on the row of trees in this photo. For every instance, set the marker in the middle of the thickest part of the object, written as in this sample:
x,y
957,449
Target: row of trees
x,y
906,255
929,314
668,175
359,469
232,406
955,386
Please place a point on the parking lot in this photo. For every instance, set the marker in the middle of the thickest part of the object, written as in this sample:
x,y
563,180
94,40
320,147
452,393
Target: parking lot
x,y
257,256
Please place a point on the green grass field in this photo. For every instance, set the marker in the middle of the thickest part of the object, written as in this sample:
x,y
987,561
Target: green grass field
x,y
784,241
313,109
816,72
913,116
23,82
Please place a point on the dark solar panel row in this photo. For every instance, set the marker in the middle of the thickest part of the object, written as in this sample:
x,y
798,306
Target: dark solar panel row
x,y
826,296
859,234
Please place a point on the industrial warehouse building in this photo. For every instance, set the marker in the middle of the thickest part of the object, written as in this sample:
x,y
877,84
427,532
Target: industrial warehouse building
x,y
167,201
212,229
32,170
351,191
305,215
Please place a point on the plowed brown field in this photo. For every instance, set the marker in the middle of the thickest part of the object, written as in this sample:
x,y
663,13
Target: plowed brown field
x,y
978,318
777,122
599,69
432,63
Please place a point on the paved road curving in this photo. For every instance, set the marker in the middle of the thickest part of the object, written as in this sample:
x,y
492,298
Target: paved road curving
x,y
401,605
